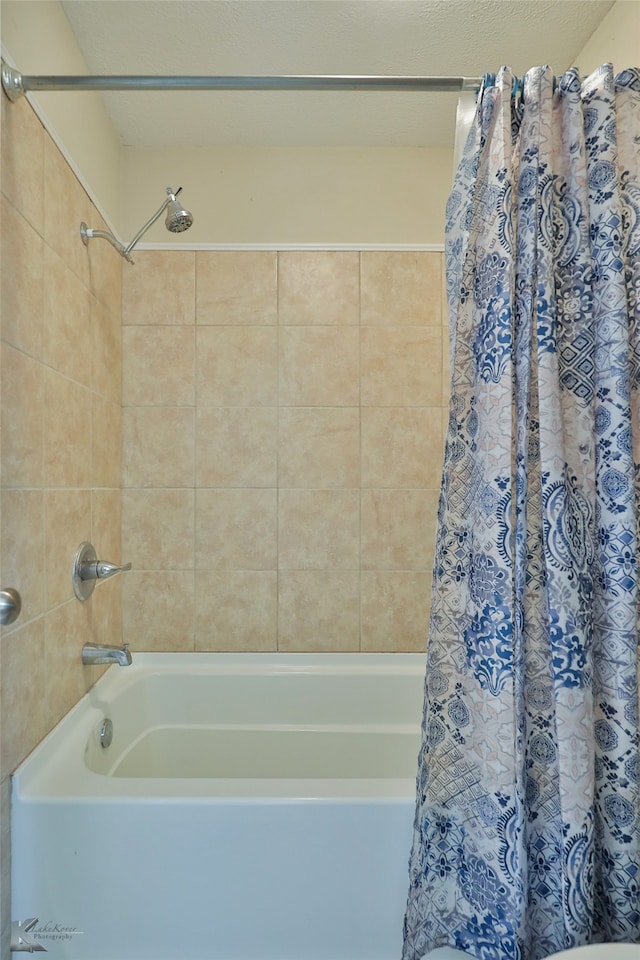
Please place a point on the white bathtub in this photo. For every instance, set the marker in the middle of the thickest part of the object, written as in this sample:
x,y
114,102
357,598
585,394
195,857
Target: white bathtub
x,y
250,807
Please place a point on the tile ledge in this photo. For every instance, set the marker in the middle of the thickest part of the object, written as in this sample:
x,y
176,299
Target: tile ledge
x,y
357,247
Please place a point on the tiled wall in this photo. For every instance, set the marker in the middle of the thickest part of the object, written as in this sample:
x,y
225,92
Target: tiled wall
x,y
282,429
60,439
282,432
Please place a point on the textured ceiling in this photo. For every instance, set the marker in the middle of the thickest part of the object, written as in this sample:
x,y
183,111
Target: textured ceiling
x,y
244,37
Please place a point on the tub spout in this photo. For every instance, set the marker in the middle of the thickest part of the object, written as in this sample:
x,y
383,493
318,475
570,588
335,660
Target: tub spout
x,y
93,653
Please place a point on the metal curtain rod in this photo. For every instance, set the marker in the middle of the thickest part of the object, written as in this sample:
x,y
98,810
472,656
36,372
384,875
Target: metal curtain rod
x,y
15,85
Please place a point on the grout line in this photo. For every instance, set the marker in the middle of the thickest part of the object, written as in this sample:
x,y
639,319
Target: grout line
x,y
302,247
360,328
277,532
194,578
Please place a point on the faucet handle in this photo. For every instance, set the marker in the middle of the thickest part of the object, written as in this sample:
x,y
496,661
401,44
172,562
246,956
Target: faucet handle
x,y
87,569
105,570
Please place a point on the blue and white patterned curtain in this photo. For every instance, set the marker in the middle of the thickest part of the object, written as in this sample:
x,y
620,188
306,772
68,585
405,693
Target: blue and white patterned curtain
x,y
527,829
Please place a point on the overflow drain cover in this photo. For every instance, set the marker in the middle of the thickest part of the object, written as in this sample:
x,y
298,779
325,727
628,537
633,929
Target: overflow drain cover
x,y
106,733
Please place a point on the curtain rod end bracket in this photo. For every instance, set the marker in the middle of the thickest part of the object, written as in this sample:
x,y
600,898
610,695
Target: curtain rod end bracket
x,y
471,85
12,82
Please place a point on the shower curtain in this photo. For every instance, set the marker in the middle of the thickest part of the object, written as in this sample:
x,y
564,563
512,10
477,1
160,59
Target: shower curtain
x,y
527,828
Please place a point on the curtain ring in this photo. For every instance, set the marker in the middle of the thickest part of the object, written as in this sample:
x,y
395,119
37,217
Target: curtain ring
x,y
518,91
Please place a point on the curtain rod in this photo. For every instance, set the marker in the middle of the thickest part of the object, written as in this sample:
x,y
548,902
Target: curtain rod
x,y
15,85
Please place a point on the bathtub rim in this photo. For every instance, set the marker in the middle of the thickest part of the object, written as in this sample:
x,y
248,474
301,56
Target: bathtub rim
x,y
35,780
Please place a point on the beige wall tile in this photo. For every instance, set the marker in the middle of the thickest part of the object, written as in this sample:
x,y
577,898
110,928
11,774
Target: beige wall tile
x,y
106,618
319,447
236,529
236,446
22,284
309,529
106,514
237,366
106,355
319,366
318,529
319,286
401,447
22,419
318,611
0,501
158,365
158,610
105,269
445,429
401,287
446,392
23,161
237,287
236,611
446,340
443,295
157,529
23,704
66,205
398,529
395,611
46,435
159,288
67,340
67,629
22,543
158,447
67,432
106,462
67,524
401,366
0,545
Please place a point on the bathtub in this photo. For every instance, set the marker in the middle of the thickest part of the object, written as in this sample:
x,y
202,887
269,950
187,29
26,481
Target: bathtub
x,y
249,807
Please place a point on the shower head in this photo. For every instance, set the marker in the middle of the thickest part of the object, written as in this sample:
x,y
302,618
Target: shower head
x,y
177,220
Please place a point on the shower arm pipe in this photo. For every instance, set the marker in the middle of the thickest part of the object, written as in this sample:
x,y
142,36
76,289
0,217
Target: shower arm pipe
x,y
15,85
87,233
125,249
129,247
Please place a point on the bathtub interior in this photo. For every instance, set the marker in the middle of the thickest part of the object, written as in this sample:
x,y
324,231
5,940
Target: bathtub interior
x,y
279,719
239,725
244,753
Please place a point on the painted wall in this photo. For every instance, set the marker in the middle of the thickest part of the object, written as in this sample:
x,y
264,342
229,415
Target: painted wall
x,y
304,195
256,195
239,195
617,40
322,196
37,39
60,440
